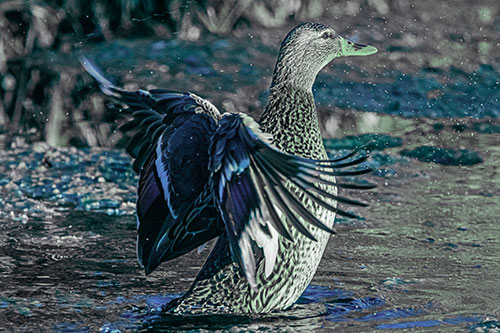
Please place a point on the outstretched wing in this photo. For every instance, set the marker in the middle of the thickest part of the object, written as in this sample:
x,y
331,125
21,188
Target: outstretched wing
x,y
171,133
175,176
251,186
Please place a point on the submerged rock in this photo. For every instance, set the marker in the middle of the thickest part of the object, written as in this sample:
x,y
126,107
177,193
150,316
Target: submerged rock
x,y
36,181
486,127
447,94
445,156
369,141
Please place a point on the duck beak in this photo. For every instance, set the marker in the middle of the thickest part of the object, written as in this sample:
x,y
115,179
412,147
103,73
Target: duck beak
x,y
349,48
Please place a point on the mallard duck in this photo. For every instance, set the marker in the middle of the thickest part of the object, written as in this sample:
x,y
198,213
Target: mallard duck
x,y
266,189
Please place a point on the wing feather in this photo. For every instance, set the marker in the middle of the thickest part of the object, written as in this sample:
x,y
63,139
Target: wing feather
x,y
260,190
170,137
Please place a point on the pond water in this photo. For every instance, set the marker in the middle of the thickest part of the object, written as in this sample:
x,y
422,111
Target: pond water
x,y
425,256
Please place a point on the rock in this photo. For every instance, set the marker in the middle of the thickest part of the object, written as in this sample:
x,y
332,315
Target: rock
x,y
40,147
486,127
371,141
445,156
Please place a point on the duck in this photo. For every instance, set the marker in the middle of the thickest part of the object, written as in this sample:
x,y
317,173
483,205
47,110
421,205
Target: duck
x,y
265,189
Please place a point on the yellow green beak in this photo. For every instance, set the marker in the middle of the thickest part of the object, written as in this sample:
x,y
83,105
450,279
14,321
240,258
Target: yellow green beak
x,y
350,48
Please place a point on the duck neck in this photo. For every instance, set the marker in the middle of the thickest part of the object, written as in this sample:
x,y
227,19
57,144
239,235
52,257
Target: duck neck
x,y
290,116
293,69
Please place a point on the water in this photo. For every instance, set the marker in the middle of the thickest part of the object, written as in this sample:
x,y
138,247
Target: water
x,y
426,256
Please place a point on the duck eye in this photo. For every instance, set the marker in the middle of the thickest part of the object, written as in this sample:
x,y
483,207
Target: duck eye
x,y
326,35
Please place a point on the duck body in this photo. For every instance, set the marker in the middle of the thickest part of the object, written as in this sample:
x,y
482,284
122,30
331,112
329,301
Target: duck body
x,y
220,286
265,189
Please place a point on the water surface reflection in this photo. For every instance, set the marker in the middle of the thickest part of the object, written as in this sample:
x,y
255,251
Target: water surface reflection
x,y
426,254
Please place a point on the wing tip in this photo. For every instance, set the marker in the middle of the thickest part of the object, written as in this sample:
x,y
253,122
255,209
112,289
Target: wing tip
x,y
106,86
150,265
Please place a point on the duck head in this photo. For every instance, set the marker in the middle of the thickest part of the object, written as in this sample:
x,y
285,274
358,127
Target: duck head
x,y
307,49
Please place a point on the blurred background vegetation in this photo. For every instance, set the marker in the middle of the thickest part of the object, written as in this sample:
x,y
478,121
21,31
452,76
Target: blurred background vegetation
x,y
44,94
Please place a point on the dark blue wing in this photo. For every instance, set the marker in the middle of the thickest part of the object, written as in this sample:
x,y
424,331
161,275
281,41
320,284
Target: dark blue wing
x,y
251,184
171,134
176,177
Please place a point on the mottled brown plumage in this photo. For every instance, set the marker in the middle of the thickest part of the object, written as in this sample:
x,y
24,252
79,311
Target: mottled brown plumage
x,y
290,117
